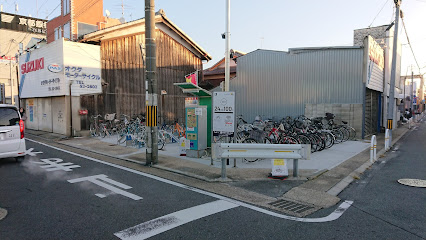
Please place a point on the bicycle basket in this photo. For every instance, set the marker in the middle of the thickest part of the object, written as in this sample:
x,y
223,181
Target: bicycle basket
x,y
329,116
258,135
110,116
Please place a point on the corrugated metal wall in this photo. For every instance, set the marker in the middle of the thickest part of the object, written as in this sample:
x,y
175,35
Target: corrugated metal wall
x,y
279,84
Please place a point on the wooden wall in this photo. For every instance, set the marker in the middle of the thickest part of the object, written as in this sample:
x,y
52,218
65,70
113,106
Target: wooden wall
x,y
124,73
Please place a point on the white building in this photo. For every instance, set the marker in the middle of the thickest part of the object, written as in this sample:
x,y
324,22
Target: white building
x,y
47,77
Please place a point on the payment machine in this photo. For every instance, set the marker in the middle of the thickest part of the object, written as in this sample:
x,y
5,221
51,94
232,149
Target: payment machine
x,y
197,119
196,130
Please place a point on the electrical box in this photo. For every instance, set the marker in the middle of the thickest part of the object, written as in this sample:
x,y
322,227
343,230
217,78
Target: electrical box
x,y
196,127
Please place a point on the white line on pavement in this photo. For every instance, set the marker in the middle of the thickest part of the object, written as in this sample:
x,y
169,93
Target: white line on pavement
x,y
96,180
333,216
170,221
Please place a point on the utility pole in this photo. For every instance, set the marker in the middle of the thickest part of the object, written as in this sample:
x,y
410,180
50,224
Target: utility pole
x,y
17,83
71,128
422,93
412,90
227,44
393,71
151,84
11,82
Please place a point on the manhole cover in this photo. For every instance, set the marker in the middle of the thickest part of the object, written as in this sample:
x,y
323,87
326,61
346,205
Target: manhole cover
x,y
3,213
413,182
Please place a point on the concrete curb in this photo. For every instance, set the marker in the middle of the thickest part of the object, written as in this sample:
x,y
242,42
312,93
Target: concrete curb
x,y
340,186
3,213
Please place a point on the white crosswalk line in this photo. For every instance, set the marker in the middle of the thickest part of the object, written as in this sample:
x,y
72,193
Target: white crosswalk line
x,y
170,221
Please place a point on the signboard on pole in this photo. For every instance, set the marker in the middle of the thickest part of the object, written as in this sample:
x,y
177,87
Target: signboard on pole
x,y
223,114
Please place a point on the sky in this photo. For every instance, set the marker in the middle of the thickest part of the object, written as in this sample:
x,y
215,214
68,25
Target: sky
x,y
269,24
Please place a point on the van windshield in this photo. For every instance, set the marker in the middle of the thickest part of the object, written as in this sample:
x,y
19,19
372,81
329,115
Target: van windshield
x,y
9,117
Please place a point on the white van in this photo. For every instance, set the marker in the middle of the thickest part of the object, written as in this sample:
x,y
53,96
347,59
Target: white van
x,y
12,140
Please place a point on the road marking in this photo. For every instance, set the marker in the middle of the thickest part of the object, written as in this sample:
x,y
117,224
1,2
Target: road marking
x,y
53,164
100,181
173,220
333,216
31,153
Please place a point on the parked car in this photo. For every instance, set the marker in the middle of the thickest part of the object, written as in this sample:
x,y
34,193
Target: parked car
x,y
12,138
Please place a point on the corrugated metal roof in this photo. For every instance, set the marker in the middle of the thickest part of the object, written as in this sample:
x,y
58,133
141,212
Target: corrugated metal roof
x,y
279,84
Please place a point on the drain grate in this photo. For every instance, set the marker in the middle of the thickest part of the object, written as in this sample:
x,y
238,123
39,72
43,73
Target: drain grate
x,y
291,206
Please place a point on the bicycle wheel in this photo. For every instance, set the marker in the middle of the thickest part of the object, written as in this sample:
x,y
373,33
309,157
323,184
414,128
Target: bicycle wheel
x,y
102,130
103,133
313,142
92,130
161,143
329,139
220,139
338,135
250,141
288,140
121,139
352,132
346,134
321,141
302,139
268,140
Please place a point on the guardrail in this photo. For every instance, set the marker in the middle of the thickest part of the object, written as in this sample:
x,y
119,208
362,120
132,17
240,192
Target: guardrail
x,y
262,151
373,148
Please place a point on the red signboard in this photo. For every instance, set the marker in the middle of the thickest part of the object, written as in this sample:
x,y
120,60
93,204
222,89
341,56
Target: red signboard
x,y
32,66
83,112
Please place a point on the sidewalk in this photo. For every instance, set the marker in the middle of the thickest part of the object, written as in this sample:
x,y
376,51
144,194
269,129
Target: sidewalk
x,y
318,186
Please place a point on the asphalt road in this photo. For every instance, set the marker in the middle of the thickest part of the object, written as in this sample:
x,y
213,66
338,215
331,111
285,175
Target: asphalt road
x,y
99,200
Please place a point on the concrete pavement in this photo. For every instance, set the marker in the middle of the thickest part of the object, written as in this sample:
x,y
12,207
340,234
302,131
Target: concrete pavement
x,y
318,189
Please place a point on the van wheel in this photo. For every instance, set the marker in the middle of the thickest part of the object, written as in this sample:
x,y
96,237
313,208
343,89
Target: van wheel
x,y
20,159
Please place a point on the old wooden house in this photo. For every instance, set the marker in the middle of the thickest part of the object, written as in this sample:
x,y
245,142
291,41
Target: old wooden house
x,y
123,71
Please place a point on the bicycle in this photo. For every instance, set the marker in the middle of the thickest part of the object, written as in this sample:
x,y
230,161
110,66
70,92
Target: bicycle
x,y
97,127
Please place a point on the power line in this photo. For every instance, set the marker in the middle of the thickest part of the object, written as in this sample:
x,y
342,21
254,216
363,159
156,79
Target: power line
x,y
378,13
409,43
10,44
42,5
53,10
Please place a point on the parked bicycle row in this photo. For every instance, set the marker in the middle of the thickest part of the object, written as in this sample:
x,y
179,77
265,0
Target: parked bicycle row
x,y
132,129
320,132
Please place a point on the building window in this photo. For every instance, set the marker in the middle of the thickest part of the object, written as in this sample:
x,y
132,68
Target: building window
x,y
84,28
66,6
67,31
58,33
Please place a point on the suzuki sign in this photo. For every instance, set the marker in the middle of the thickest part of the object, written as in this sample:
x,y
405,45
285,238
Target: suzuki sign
x,y
32,66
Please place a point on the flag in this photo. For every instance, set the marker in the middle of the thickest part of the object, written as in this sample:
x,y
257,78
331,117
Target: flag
x,y
192,78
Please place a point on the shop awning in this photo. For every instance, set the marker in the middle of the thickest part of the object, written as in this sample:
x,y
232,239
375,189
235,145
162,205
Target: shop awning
x,y
193,89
